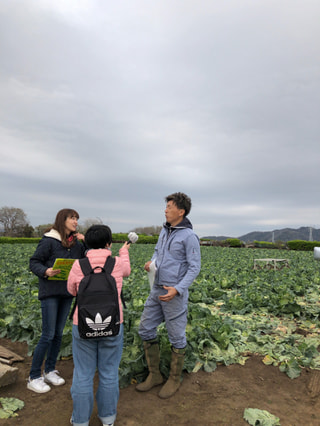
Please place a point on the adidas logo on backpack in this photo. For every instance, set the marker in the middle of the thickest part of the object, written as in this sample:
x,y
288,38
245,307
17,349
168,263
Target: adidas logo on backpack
x,y
98,324
97,300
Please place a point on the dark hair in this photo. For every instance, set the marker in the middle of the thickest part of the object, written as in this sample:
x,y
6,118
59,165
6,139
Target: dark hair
x,y
59,225
181,200
98,236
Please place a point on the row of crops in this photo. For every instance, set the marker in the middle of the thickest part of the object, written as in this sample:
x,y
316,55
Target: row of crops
x,y
234,310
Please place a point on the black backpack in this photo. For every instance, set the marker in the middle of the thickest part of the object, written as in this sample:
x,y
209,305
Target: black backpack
x,y
97,300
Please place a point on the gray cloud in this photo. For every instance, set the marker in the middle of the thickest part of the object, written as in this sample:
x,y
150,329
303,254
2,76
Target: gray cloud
x,y
108,108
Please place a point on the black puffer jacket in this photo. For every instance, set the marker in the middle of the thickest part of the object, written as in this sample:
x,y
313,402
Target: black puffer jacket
x,y
47,251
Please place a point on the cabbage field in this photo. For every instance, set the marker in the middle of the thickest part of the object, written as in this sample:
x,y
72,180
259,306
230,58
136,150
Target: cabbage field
x,y
234,310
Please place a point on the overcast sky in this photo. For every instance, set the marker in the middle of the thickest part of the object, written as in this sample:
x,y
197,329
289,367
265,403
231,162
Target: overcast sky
x,y
108,106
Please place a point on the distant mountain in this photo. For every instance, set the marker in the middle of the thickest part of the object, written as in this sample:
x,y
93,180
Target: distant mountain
x,y
286,234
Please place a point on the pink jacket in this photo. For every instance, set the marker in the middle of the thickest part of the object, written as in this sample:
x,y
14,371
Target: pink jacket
x,y
98,257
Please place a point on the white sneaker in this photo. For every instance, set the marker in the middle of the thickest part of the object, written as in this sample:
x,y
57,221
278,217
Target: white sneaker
x,y
38,385
53,378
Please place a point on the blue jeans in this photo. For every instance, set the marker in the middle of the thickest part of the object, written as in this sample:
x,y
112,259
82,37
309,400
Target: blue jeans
x,y
55,312
89,355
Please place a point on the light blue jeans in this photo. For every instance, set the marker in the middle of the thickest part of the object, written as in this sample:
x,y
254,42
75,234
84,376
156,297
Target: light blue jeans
x,y
174,313
89,355
55,312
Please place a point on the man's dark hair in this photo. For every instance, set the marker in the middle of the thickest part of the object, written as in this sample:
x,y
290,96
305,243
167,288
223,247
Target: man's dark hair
x,y
181,200
98,236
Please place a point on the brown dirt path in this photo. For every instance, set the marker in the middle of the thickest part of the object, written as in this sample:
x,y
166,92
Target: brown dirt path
x,y
212,399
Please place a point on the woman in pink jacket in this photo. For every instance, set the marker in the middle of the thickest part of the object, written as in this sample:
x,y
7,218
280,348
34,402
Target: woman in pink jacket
x,y
103,353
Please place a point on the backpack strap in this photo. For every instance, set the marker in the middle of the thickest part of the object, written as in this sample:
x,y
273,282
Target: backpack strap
x,y
108,266
85,266
123,301
73,308
86,270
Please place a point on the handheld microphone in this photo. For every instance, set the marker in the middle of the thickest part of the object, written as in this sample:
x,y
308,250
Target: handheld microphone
x,y
132,238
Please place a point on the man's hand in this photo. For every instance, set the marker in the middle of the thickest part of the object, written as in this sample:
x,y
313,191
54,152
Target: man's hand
x,y
147,266
172,292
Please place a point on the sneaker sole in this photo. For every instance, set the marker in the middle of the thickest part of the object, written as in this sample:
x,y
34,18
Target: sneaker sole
x,y
54,384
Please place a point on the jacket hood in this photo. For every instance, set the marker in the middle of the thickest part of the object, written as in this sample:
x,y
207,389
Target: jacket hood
x,y
53,234
185,223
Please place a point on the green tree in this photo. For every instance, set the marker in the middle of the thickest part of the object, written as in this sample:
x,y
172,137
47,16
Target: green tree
x,y
41,229
27,231
148,230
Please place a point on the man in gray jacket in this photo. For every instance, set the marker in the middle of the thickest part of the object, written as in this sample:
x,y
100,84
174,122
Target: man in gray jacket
x,y
177,261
